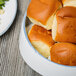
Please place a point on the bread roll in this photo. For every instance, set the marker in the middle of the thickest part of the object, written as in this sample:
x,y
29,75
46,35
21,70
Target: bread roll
x,y
64,25
69,3
41,12
41,39
64,53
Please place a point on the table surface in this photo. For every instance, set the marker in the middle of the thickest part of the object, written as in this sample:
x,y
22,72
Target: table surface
x,y
11,62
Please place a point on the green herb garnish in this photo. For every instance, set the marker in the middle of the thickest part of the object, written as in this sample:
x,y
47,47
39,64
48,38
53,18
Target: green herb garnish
x,y
2,3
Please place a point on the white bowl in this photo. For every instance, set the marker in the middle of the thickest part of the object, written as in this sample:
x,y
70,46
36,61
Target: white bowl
x,y
8,17
39,63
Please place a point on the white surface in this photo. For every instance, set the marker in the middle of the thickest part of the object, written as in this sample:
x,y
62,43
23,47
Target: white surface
x,y
7,18
39,63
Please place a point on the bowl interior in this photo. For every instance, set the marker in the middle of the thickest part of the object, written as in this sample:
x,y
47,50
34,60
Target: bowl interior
x,y
27,27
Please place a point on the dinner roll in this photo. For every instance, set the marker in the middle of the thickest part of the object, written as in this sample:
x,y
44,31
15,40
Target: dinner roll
x,y
69,3
64,25
41,12
64,53
41,39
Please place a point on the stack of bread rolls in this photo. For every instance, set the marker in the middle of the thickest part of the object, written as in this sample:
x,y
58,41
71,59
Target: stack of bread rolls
x,y
54,29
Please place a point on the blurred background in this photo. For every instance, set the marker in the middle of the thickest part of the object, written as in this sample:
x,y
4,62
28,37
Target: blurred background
x,y
11,62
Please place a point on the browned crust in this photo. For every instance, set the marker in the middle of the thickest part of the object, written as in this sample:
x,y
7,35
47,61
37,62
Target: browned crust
x,y
41,10
66,25
64,53
38,33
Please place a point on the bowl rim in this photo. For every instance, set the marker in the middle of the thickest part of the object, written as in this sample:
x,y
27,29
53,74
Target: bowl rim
x,y
26,36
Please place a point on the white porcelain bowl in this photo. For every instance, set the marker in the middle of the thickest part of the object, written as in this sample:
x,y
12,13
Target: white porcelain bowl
x,y
8,17
39,63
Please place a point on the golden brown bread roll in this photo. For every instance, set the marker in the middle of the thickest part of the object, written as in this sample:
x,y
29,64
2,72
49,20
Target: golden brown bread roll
x,y
64,25
64,53
41,12
41,39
